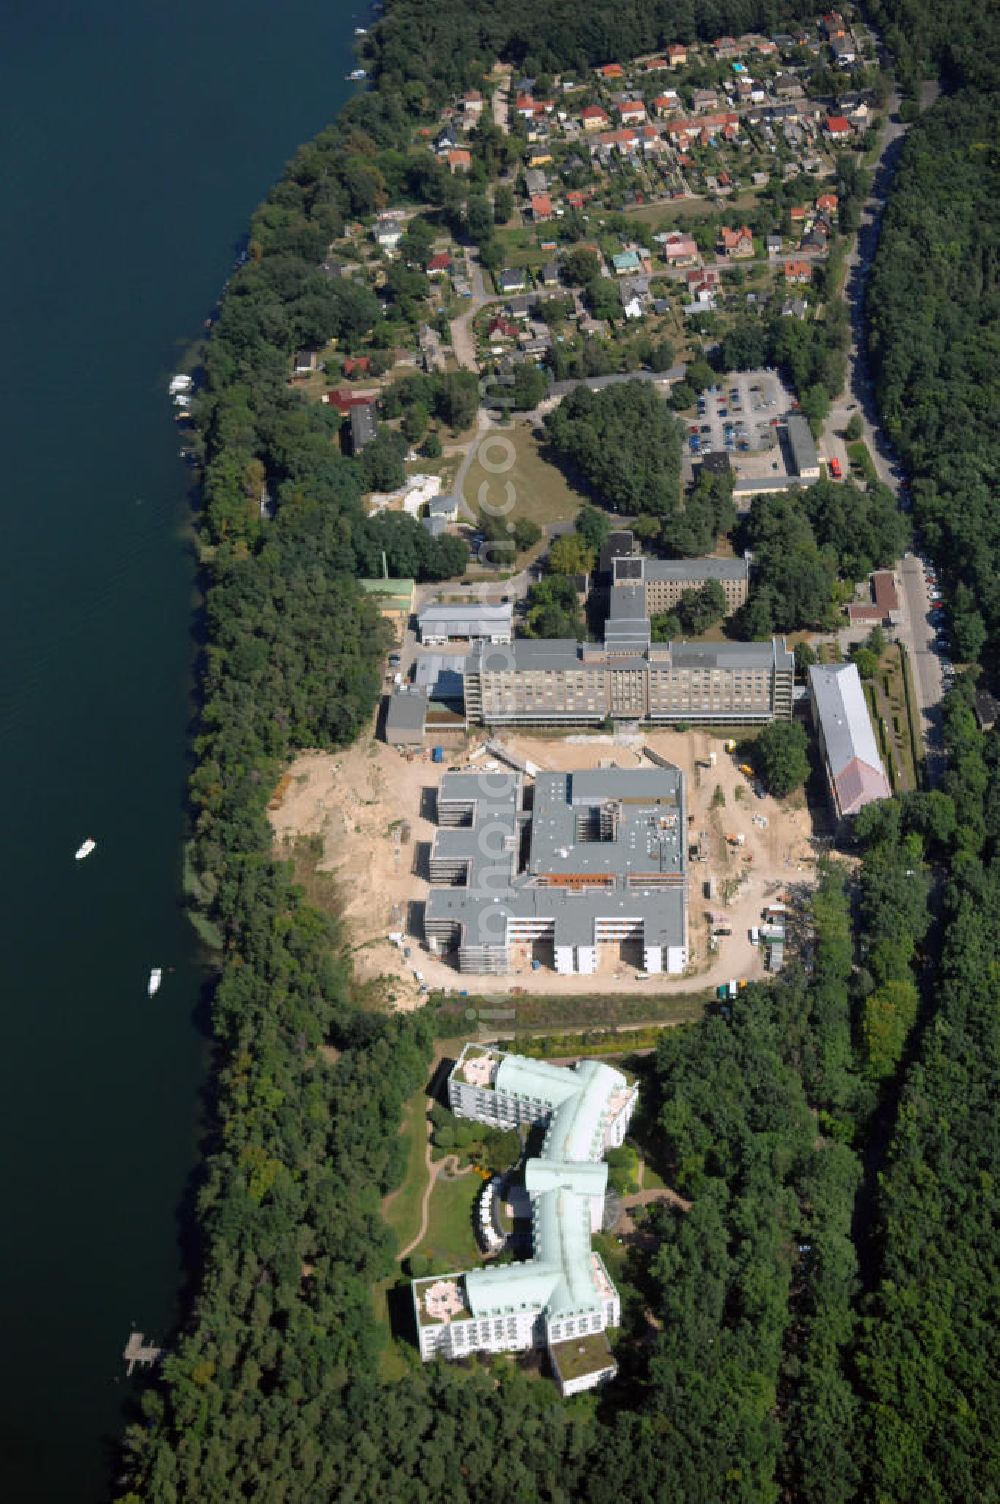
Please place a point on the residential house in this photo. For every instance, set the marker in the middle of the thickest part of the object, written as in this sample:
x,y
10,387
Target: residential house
x,y
355,366
827,202
627,263
594,118
787,86
472,107
655,65
634,293
439,265
388,231
363,427
460,160
344,400
798,213
725,47
632,112
446,141
550,274
735,244
502,329
833,25
681,250
305,362
512,279
524,107
845,54
838,127
773,247
535,181
677,55
521,308
539,155
667,103
610,71
797,272
704,99
794,308
541,208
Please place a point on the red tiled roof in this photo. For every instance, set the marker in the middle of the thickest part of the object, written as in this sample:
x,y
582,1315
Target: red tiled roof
x,y
858,784
439,263
838,125
541,206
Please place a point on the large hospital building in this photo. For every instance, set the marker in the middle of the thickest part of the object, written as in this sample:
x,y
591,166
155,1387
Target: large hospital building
x,y
562,1297
588,859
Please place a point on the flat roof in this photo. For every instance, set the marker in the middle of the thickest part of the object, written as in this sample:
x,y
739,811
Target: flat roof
x,y
685,569
593,836
471,615
803,445
526,654
407,711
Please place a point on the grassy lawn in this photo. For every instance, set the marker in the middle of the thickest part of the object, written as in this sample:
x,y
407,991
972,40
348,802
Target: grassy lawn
x,y
889,706
541,490
401,1209
598,1012
450,1241
861,461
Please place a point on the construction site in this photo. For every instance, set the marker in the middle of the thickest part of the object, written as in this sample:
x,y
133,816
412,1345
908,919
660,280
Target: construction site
x,y
372,815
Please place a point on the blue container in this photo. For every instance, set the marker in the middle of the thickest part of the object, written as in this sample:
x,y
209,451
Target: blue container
x,y
437,755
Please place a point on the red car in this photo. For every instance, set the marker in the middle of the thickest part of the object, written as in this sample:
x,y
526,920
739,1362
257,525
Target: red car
x,y
835,469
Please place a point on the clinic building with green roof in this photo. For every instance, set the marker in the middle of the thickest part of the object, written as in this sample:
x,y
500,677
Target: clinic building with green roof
x,y
561,1298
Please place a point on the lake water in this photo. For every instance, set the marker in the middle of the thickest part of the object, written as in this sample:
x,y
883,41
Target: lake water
x,y
136,139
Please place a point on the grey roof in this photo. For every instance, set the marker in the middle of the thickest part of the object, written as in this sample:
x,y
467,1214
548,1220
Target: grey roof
x,y
628,623
802,443
562,653
645,811
440,674
843,715
737,655
407,711
686,569
472,620
443,506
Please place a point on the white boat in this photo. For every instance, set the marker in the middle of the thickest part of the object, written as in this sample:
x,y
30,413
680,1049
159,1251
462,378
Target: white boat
x,y
84,850
361,31
180,383
357,74
155,978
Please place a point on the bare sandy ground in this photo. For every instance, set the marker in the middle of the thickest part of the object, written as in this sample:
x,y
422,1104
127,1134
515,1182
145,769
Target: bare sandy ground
x,y
367,805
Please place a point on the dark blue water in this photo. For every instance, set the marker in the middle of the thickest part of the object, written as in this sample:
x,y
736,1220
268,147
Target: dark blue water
x,y
137,136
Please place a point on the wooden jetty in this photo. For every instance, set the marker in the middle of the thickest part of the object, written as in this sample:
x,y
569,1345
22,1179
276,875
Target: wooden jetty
x,y
136,1351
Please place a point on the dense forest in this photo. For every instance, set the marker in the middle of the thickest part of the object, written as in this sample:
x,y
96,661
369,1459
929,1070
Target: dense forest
x,y
820,1324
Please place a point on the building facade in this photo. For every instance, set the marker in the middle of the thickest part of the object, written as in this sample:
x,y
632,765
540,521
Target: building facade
x,y
561,682
664,581
561,1298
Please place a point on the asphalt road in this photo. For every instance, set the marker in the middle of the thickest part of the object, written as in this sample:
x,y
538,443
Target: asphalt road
x,y
915,631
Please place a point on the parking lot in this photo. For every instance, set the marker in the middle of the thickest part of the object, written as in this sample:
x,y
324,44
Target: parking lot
x,y
738,415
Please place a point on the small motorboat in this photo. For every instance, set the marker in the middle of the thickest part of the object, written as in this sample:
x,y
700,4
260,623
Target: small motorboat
x,y
155,978
84,850
356,75
361,31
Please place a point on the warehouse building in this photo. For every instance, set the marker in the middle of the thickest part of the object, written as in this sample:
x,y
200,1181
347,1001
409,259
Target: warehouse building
x,y
599,859
562,1298
854,770
475,622
805,460
664,581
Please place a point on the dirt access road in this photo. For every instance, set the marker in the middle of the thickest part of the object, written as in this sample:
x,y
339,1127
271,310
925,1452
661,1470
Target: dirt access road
x,y
369,807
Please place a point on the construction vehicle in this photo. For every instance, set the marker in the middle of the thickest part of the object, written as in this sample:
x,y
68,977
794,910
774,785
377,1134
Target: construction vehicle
x,y
747,769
